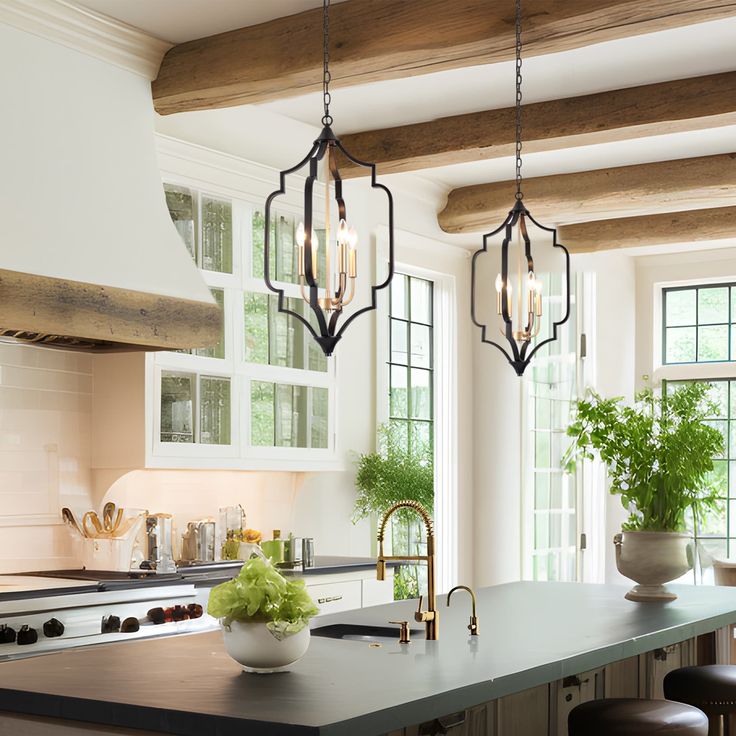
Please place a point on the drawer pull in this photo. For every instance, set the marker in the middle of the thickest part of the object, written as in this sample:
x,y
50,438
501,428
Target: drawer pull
x,y
329,599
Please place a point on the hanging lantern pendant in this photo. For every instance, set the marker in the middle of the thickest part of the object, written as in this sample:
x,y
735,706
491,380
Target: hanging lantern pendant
x,y
327,288
520,320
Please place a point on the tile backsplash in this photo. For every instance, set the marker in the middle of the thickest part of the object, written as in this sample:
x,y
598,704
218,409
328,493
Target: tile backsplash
x,y
45,451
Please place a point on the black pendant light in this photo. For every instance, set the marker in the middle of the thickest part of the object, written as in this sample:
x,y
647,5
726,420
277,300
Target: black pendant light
x,y
326,290
519,324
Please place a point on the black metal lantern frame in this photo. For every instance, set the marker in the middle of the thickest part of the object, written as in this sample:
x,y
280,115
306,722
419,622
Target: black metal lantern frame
x,y
327,309
520,350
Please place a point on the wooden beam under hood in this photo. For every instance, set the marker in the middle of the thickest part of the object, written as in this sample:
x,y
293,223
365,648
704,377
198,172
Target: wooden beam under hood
x,y
692,226
665,186
374,40
678,106
73,314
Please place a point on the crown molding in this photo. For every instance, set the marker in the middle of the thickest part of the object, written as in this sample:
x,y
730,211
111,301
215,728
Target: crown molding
x,y
89,32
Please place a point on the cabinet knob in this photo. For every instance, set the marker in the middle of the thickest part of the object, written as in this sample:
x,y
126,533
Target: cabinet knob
x,y
404,637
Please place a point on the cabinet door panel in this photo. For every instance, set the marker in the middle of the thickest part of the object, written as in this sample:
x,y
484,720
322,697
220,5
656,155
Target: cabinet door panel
x,y
525,713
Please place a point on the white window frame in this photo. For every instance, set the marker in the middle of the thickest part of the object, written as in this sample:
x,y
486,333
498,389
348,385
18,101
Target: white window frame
x,y
246,193
445,331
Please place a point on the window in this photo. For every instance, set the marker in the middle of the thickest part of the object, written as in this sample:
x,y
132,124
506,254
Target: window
x,y
266,390
551,494
411,361
716,534
698,324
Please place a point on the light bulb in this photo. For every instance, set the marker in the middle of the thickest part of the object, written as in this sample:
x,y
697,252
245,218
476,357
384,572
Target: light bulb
x,y
300,235
352,237
342,232
499,283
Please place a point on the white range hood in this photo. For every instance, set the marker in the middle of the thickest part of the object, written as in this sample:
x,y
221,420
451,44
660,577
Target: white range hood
x,y
89,257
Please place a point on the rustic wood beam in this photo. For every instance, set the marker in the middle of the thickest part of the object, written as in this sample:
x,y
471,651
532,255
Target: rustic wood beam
x,y
666,186
102,318
653,109
374,40
692,226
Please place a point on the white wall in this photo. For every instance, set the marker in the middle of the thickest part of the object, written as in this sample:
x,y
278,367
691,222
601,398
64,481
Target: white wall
x,y
45,446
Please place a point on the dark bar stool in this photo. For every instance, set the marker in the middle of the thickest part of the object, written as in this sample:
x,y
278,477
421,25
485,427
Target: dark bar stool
x,y
633,717
710,687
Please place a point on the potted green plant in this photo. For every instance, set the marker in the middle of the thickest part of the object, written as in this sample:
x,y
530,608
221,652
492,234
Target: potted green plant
x,y
394,472
659,454
264,617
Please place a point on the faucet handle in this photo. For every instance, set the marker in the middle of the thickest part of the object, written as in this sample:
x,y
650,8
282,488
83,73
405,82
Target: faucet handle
x,y
404,637
423,616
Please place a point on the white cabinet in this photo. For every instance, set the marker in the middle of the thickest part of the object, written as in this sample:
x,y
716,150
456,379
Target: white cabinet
x,y
337,592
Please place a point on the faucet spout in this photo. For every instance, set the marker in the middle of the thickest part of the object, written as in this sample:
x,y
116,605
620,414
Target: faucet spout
x,y
430,617
473,625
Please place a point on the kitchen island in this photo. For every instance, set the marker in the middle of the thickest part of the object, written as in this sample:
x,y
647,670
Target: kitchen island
x,y
531,634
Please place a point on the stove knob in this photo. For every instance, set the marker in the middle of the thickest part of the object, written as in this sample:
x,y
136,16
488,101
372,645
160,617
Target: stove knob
x,y
53,627
110,624
156,615
7,634
130,625
27,635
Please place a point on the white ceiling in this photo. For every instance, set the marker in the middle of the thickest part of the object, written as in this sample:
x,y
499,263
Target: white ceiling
x,y
277,133
183,20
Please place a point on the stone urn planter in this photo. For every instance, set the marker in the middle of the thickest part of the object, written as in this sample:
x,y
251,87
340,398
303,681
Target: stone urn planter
x,y
256,648
652,559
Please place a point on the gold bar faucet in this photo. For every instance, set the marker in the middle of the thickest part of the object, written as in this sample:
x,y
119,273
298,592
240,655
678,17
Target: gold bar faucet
x,y
430,617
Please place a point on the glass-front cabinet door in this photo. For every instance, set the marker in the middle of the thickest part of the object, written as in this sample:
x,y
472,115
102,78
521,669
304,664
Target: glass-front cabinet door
x,y
265,392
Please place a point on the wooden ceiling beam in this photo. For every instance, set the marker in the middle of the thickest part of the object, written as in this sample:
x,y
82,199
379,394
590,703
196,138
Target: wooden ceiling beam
x,y
692,226
665,186
654,109
374,40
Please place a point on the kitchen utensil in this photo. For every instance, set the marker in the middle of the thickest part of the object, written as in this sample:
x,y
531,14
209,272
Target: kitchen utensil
x,y
159,543
198,541
68,515
107,527
110,520
92,525
114,552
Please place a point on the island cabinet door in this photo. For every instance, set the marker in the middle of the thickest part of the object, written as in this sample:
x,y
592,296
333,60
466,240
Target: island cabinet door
x,y
569,692
12,725
478,721
653,666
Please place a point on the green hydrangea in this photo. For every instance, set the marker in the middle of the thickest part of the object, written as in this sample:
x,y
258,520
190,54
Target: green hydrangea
x,y
261,594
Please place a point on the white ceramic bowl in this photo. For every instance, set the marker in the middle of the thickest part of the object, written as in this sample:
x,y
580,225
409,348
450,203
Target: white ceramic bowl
x,y
256,649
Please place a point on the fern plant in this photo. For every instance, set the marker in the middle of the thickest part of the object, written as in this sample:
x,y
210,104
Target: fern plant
x,y
659,453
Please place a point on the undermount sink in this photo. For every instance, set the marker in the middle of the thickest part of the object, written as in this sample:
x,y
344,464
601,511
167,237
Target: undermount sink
x,y
357,632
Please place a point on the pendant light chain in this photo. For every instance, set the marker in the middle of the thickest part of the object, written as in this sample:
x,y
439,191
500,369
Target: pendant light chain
x,y
326,77
519,194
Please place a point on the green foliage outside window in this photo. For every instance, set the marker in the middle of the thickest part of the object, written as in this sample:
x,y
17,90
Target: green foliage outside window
x,y
392,473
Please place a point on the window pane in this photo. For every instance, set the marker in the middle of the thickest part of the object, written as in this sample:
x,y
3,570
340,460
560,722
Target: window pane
x,y
399,340
421,301
713,343
421,437
217,235
421,394
182,206
214,423
216,351
719,395
261,414
713,305
258,223
719,477
722,426
401,431
177,418
541,491
399,294
680,345
398,400
421,345
256,327
319,422
680,307
276,338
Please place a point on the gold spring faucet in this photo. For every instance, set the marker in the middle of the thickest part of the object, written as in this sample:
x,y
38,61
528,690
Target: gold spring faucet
x,y
430,617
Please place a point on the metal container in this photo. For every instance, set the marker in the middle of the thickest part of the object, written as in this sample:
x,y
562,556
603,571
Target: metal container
x,y
159,543
307,552
198,541
293,550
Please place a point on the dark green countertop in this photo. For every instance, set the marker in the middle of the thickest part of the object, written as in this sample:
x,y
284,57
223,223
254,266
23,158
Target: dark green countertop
x,y
531,633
